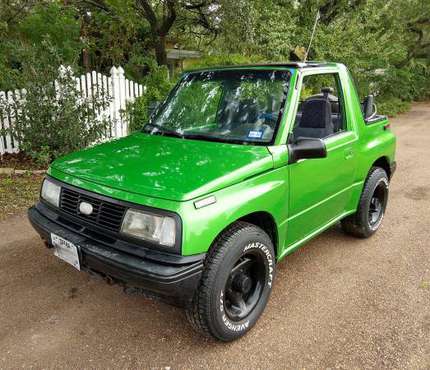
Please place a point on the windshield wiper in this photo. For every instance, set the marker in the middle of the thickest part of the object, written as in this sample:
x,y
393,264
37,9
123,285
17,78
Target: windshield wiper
x,y
202,137
213,138
159,130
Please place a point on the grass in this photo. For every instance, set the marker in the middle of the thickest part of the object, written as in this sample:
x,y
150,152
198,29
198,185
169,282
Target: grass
x,y
18,192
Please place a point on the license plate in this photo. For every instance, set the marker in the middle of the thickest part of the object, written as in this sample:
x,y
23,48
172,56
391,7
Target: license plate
x,y
65,250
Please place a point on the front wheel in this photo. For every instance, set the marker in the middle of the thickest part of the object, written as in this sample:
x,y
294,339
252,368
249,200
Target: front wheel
x,y
371,208
235,284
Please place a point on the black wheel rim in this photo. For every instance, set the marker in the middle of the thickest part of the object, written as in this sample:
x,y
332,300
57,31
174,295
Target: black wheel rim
x,y
377,204
244,286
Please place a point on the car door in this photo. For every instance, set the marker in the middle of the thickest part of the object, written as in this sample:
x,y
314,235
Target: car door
x,y
320,188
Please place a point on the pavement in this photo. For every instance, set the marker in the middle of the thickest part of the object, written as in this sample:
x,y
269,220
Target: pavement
x,y
338,302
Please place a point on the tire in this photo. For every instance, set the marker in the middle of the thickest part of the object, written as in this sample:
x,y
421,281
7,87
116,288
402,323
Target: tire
x,y
371,208
236,283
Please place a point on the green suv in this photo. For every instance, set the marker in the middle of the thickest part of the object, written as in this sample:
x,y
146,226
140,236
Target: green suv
x,y
236,169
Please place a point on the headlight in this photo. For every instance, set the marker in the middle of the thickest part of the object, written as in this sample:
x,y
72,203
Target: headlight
x,y
147,226
51,192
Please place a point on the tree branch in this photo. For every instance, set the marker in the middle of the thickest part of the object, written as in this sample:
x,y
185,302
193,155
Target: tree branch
x,y
149,14
169,19
19,11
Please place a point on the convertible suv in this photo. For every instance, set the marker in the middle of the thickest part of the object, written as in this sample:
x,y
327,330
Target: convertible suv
x,y
236,169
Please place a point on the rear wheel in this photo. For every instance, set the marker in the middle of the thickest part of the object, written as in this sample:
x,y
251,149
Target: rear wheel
x,y
236,283
371,208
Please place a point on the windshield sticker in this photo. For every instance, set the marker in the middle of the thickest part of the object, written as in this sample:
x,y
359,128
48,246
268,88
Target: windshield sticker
x,y
255,134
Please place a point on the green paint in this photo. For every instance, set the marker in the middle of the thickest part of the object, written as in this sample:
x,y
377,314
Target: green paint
x,y
303,198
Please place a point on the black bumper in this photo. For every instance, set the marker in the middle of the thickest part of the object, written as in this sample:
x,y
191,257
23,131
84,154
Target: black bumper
x,y
160,276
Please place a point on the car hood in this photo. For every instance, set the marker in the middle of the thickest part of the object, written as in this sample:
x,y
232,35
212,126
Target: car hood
x,y
166,167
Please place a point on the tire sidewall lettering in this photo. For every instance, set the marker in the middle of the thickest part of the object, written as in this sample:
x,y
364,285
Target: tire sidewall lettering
x,y
270,260
267,254
227,322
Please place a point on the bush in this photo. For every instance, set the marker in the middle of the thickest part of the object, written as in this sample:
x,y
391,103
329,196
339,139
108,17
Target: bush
x,y
157,86
37,21
52,119
401,86
392,106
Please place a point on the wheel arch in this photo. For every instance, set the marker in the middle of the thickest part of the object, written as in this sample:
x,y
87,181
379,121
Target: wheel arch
x,y
261,219
384,163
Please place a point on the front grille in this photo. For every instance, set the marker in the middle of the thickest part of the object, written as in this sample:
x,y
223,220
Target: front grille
x,y
105,214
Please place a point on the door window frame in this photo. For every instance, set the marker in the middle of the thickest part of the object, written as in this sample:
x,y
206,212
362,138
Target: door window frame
x,y
302,74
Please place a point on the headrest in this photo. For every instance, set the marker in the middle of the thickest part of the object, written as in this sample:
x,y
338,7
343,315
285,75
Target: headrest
x,y
326,91
316,113
247,111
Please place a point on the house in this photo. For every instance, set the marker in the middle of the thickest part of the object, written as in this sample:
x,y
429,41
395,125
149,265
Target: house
x,y
178,59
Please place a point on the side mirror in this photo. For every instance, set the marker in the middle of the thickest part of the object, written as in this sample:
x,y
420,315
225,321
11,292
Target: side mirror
x,y
306,147
153,107
369,107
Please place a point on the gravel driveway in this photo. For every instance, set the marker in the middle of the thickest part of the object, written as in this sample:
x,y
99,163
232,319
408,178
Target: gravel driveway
x,y
338,302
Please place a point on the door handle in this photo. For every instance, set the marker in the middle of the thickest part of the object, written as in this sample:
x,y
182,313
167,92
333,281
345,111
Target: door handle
x,y
349,153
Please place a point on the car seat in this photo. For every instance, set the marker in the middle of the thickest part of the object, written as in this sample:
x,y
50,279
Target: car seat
x,y
316,120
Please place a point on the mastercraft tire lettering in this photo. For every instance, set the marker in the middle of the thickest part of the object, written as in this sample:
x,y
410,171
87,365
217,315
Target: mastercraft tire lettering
x,y
236,283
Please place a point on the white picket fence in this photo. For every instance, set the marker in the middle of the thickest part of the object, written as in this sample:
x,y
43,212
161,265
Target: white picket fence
x,y
120,90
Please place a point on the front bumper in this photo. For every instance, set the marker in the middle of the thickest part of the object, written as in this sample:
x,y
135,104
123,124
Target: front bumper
x,y
166,276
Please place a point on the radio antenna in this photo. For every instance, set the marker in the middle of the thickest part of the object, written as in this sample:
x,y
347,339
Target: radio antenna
x,y
317,18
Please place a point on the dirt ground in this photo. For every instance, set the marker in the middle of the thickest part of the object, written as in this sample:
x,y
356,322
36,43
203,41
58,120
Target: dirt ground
x,y
338,302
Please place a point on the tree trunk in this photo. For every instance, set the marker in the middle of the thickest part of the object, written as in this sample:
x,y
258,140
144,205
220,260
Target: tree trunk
x,y
160,50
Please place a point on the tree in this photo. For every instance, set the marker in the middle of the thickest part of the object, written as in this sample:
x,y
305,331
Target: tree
x,y
385,35
11,12
25,25
160,26
196,16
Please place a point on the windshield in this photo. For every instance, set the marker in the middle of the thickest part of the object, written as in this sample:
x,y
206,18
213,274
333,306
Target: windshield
x,y
241,106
